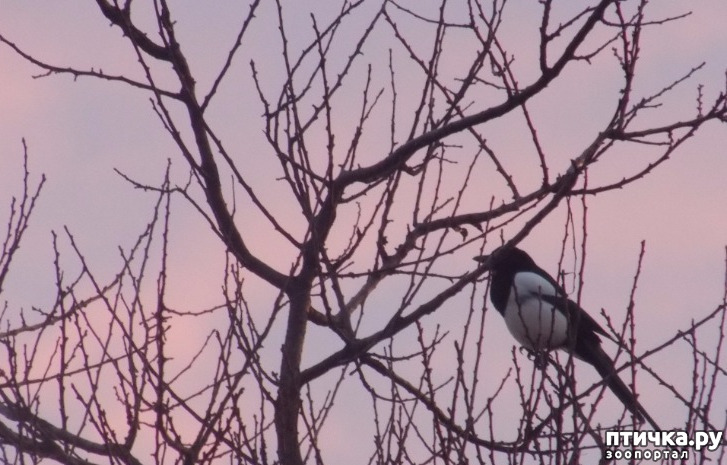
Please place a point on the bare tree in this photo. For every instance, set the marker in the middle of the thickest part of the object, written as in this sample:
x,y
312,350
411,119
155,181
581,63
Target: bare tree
x,y
378,126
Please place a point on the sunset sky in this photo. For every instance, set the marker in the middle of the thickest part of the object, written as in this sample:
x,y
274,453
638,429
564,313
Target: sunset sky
x,y
80,131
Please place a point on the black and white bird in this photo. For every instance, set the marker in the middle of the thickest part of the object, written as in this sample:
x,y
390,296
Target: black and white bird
x,y
540,316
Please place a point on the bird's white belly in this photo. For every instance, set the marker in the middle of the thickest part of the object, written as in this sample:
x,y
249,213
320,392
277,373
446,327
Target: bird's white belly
x,y
534,323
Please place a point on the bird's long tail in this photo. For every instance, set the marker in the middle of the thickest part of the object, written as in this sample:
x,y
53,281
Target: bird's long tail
x,y
595,355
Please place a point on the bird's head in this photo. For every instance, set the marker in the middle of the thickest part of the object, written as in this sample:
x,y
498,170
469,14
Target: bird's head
x,y
507,258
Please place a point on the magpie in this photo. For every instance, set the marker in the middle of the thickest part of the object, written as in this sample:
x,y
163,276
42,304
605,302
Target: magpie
x,y
540,317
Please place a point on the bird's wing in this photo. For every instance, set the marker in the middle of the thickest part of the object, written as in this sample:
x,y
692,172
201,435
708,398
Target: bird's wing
x,y
535,285
584,322
573,311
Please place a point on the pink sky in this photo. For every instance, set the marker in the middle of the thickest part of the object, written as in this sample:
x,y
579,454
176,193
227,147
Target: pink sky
x,y
78,132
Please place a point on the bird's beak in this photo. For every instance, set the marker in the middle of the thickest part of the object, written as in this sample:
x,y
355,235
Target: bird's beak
x,y
481,258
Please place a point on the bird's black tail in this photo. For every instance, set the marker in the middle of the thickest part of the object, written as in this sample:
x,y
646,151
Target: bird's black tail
x,y
595,355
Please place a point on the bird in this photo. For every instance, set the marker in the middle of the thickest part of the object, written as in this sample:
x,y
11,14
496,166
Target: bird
x,y
541,317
